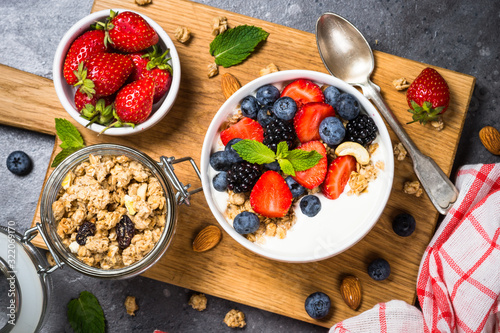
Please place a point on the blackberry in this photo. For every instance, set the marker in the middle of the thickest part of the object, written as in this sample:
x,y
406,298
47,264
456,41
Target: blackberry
x,y
242,176
361,130
277,131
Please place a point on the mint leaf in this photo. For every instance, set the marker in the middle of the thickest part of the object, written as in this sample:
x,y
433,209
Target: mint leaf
x,y
254,152
85,314
71,140
281,150
68,134
286,167
303,160
62,155
236,44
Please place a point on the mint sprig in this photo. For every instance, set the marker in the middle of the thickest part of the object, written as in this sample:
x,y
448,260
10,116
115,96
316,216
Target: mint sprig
x,y
290,161
85,314
235,45
71,140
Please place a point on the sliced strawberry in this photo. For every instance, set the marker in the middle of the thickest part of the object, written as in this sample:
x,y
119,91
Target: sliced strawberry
x,y
338,175
271,196
314,176
91,42
303,91
308,118
246,128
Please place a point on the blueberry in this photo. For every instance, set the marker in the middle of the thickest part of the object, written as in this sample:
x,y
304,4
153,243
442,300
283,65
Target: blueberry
x,y
266,95
331,95
331,131
403,224
221,160
296,189
318,305
275,166
379,269
230,144
284,108
310,205
220,181
265,116
19,163
246,223
347,106
249,107
233,156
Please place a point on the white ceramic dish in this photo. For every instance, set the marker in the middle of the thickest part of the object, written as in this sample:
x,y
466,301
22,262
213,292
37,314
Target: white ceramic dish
x,y
341,223
66,93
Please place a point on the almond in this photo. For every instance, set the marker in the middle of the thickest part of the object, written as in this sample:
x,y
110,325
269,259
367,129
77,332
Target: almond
x,y
207,238
490,137
350,289
229,84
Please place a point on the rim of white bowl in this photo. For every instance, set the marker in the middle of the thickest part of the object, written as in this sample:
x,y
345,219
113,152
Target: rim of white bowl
x,y
286,76
77,29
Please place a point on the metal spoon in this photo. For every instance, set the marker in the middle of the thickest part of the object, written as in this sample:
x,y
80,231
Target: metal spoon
x,y
348,56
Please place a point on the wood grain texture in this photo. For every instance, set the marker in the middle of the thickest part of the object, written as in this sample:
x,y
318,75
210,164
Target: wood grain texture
x,y
230,271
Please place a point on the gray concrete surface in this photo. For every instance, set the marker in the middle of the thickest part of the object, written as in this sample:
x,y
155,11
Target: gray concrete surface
x,y
458,35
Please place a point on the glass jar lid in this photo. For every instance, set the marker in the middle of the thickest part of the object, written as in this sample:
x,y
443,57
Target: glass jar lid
x,y
24,284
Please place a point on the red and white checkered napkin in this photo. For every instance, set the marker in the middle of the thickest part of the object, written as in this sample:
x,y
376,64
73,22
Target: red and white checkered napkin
x,y
458,284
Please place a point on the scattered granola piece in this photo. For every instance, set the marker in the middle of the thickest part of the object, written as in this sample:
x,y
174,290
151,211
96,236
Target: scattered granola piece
x,y
401,84
50,259
400,151
438,124
219,25
213,70
130,305
413,188
182,34
271,68
235,318
143,2
198,302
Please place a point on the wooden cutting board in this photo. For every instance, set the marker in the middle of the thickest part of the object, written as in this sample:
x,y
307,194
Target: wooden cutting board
x,y
230,271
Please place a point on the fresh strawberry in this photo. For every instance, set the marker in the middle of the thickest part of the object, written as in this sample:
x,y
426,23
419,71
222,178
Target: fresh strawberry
x,y
338,175
103,73
134,102
428,96
82,99
314,176
271,196
91,42
154,65
308,118
129,32
303,91
246,128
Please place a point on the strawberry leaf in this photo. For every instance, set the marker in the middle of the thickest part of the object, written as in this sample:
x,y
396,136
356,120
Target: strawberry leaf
x,y
235,45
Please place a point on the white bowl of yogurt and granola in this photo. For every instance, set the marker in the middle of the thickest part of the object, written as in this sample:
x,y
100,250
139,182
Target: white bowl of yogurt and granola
x,y
297,166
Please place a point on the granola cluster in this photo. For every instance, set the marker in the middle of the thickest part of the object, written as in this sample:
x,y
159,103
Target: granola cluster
x,y
100,191
235,318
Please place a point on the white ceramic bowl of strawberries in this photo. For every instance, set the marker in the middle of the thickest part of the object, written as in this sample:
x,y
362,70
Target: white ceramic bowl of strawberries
x,y
139,104
340,223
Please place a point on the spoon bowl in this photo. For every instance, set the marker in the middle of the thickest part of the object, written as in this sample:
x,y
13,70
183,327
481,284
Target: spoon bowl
x,y
351,60
348,56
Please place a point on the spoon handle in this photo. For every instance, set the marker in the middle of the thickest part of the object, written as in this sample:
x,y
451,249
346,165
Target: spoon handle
x,y
439,188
